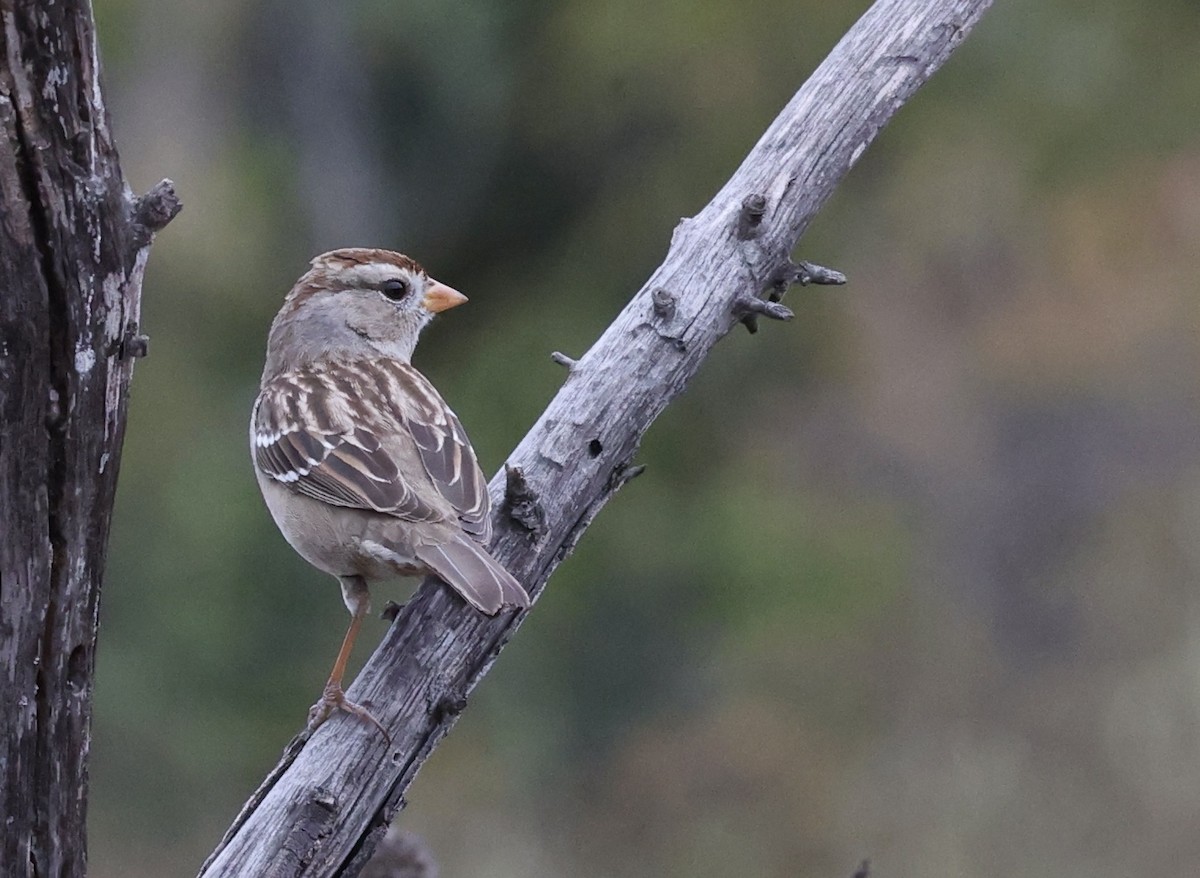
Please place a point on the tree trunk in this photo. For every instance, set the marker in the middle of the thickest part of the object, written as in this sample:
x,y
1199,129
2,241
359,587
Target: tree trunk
x,y
324,807
73,246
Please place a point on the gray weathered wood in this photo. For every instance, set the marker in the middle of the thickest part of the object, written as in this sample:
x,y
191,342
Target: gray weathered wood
x,y
73,246
323,808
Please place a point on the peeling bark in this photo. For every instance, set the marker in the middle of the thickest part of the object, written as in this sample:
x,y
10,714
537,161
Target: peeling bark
x,y
73,246
324,807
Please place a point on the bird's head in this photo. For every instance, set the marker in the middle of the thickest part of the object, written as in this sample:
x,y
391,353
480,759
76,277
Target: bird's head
x,y
356,303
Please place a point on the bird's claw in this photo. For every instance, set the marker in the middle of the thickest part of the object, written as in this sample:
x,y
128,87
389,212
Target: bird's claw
x,y
334,698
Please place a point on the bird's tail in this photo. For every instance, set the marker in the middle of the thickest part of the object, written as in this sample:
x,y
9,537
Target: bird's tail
x,y
468,568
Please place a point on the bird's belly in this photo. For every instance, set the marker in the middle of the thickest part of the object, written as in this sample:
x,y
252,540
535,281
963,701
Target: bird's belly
x,y
338,540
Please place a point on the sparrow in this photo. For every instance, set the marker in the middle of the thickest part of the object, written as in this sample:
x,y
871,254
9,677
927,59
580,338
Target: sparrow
x,y
366,471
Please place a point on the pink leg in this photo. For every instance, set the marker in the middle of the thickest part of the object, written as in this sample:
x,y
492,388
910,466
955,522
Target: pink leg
x,y
354,590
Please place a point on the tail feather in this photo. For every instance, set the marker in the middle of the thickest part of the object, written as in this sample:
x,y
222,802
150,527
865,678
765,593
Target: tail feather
x,y
468,568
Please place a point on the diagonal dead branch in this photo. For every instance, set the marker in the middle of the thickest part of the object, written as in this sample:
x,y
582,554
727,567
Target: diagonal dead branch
x,y
576,455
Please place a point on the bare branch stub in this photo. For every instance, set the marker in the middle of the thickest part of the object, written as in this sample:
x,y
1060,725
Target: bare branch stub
x,y
623,474
750,216
134,344
563,360
750,308
802,273
152,211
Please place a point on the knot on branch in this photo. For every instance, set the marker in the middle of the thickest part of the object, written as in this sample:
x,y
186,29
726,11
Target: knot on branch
x,y
522,502
153,211
664,302
750,216
449,705
54,410
665,306
314,818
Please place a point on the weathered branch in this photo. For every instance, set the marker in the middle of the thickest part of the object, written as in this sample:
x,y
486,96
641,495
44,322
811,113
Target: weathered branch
x,y
577,454
73,247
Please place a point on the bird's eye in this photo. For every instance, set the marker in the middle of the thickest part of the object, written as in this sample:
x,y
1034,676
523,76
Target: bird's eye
x,y
394,289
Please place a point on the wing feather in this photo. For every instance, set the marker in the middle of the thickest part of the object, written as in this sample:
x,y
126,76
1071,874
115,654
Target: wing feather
x,y
340,433
468,568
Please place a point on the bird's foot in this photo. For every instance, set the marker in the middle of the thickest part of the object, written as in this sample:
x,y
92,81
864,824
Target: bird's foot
x,y
333,698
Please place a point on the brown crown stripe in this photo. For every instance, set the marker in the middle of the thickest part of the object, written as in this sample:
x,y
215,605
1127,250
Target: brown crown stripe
x,y
351,256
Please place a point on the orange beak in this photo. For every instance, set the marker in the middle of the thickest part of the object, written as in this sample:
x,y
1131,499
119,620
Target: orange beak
x,y
439,297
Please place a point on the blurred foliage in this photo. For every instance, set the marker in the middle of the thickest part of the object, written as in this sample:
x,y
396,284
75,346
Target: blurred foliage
x,y
911,578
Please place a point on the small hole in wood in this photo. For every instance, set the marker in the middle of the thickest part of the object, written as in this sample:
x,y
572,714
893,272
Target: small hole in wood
x,y
594,448
77,669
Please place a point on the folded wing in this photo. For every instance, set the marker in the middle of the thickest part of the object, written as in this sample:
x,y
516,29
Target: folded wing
x,y
339,434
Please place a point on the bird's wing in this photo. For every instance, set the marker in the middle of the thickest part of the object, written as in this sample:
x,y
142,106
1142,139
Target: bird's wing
x,y
354,434
444,449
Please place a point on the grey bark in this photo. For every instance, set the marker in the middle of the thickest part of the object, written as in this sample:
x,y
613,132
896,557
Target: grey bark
x,y
73,246
324,807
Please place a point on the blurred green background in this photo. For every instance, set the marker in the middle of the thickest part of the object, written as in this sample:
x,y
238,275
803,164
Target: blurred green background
x,y
911,578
